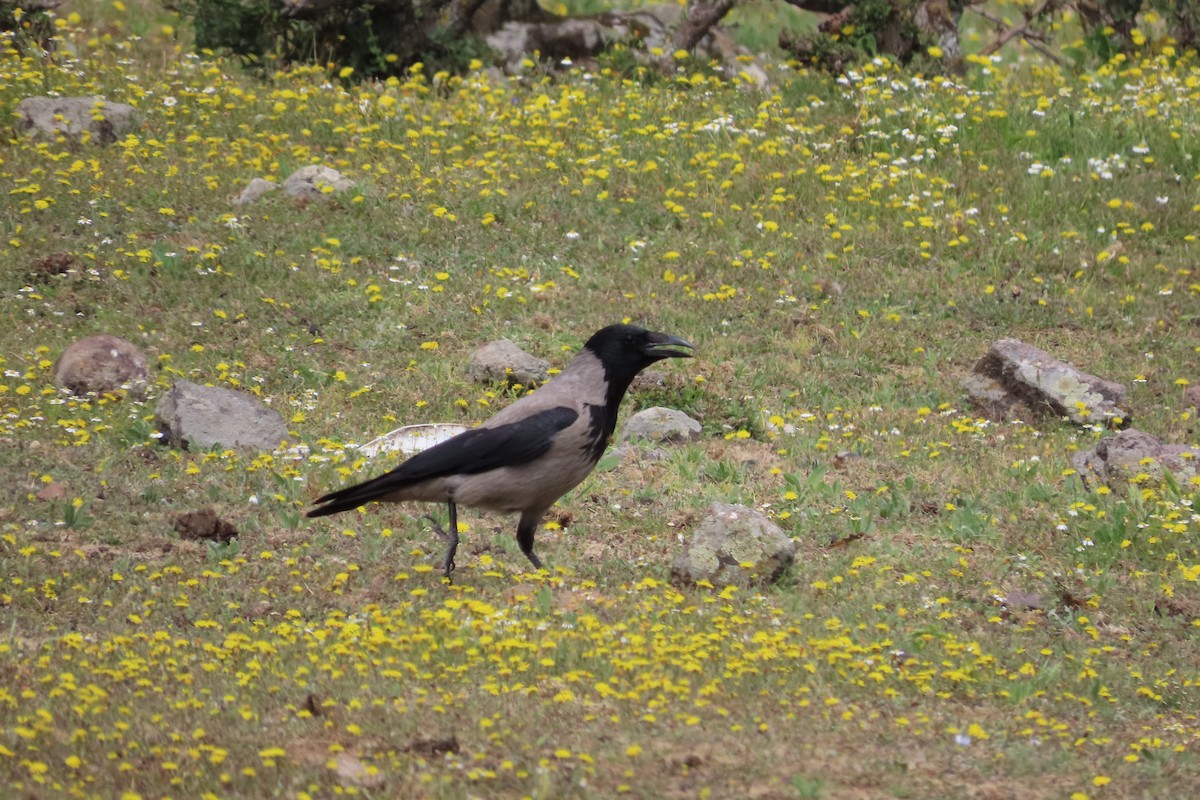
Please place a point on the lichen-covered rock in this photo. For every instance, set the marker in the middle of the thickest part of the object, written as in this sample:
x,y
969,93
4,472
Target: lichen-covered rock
x,y
735,545
1131,453
196,417
502,361
255,190
660,424
101,364
1014,377
316,181
81,120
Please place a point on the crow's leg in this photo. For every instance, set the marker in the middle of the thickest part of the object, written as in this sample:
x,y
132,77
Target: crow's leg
x,y
526,528
450,537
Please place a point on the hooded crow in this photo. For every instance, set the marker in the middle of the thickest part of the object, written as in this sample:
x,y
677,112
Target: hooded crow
x,y
530,454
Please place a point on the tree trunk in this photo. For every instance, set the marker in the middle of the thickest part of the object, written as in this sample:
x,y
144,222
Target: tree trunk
x,y
491,15
900,29
417,29
700,20
1120,15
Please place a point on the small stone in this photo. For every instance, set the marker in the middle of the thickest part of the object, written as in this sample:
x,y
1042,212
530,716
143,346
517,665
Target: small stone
x,y
52,491
102,364
255,190
1021,600
502,361
350,769
735,545
316,181
1131,453
661,425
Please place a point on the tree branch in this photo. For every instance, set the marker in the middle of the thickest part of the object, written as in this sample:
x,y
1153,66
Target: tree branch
x,y
1041,48
821,6
701,17
1021,30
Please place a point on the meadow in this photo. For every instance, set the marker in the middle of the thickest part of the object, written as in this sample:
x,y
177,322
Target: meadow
x,y
966,619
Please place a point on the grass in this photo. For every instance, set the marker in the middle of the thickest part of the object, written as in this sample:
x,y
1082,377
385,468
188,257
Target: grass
x,y
965,619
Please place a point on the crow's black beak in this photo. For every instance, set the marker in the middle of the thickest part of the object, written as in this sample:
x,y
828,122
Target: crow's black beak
x,y
661,345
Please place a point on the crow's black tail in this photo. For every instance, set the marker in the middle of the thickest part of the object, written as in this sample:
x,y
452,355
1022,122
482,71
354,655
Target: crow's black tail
x,y
354,496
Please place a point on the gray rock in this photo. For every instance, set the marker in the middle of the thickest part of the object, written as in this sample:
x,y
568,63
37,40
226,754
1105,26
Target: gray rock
x,y
79,119
661,424
1090,467
316,181
255,190
1132,452
1017,378
100,364
502,361
196,417
732,536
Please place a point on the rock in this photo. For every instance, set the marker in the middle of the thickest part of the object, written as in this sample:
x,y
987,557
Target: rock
x,y
1090,467
1021,600
52,491
79,119
204,525
101,364
1132,452
502,361
315,181
661,424
1014,377
254,191
1191,398
350,769
730,536
192,416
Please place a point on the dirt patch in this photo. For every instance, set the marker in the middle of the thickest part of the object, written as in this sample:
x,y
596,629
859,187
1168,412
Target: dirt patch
x,y
432,748
204,525
53,264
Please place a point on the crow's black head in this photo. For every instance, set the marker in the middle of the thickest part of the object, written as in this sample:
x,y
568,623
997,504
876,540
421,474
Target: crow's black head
x,y
625,350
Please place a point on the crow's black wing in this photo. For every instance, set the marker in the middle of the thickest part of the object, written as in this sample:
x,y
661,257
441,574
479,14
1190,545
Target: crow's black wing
x,y
470,453
483,449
